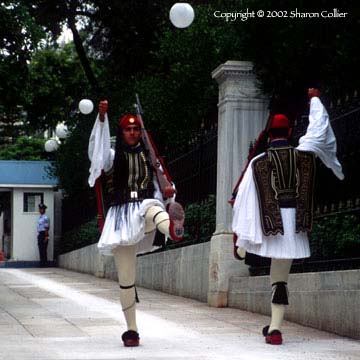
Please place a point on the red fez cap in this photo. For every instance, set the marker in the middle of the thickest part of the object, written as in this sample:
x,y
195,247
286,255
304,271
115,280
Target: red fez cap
x,y
127,120
280,121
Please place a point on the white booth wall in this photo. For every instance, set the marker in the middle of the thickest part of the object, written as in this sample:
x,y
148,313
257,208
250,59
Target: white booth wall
x,y
24,241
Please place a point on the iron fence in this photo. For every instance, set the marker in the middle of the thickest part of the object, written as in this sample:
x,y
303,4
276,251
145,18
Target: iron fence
x,y
194,172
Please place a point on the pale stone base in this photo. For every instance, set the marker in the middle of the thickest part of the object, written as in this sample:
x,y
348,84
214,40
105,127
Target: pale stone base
x,y
222,266
218,299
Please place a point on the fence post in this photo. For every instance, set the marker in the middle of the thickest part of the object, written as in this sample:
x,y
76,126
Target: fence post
x,y
242,115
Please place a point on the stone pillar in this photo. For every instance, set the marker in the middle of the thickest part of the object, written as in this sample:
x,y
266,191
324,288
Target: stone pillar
x,y
243,112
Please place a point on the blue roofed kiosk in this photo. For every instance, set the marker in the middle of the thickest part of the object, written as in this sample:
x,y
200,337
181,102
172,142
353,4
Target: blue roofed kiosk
x,y
23,185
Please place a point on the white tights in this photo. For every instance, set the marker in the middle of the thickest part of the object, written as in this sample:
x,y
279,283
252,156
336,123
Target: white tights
x,y
279,271
125,261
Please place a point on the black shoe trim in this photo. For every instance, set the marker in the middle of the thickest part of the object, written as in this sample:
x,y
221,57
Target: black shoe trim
x,y
274,332
130,335
265,330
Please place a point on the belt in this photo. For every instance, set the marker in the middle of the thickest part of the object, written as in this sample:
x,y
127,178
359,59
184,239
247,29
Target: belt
x,y
129,196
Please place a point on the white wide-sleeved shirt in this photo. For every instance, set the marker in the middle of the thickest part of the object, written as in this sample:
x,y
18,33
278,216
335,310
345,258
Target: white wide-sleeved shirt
x,y
320,138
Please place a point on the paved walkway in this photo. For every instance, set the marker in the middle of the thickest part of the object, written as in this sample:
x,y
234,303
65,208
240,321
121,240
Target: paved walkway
x,y
58,314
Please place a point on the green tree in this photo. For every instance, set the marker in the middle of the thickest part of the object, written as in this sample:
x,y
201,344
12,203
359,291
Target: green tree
x,y
56,85
19,37
24,148
53,15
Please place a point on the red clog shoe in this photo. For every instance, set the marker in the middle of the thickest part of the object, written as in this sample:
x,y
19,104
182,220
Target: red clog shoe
x,y
177,219
130,338
273,337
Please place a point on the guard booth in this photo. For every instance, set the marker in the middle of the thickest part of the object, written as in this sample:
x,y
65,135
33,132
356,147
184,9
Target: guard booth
x,y
23,185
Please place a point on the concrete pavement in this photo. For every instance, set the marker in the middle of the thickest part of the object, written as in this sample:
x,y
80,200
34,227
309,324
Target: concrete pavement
x,y
53,313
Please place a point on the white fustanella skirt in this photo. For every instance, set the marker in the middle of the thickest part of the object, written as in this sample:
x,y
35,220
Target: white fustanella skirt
x,y
125,226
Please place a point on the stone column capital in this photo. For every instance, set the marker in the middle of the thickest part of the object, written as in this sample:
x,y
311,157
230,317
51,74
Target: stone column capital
x,y
237,83
233,70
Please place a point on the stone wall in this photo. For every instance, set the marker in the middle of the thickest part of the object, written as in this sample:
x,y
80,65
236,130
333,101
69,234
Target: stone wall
x,y
183,271
86,260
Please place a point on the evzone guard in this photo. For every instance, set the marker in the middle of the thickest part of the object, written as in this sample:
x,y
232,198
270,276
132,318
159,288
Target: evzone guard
x,y
136,201
273,207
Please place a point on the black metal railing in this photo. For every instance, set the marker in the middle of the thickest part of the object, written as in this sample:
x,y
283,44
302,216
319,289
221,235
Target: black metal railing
x,y
194,174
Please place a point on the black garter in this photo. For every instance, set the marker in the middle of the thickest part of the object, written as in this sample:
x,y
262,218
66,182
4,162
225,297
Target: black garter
x,y
136,295
280,294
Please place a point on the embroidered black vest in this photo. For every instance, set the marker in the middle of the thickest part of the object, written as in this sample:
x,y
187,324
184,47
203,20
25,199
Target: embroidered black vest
x,y
284,177
134,181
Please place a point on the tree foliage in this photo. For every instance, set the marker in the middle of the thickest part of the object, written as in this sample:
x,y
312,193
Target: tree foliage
x,y
19,37
25,148
336,236
56,84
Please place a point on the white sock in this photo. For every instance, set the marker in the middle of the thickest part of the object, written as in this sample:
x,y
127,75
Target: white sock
x,y
159,218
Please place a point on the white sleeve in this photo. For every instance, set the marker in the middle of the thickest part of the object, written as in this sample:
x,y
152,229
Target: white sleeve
x,y
99,149
246,213
320,138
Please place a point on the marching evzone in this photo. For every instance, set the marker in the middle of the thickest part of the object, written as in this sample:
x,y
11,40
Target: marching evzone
x,y
273,209
137,204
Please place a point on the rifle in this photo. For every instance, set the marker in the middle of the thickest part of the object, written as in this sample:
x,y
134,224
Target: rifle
x,y
157,162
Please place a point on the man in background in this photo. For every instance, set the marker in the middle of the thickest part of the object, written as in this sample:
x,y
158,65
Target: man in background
x,y
43,226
